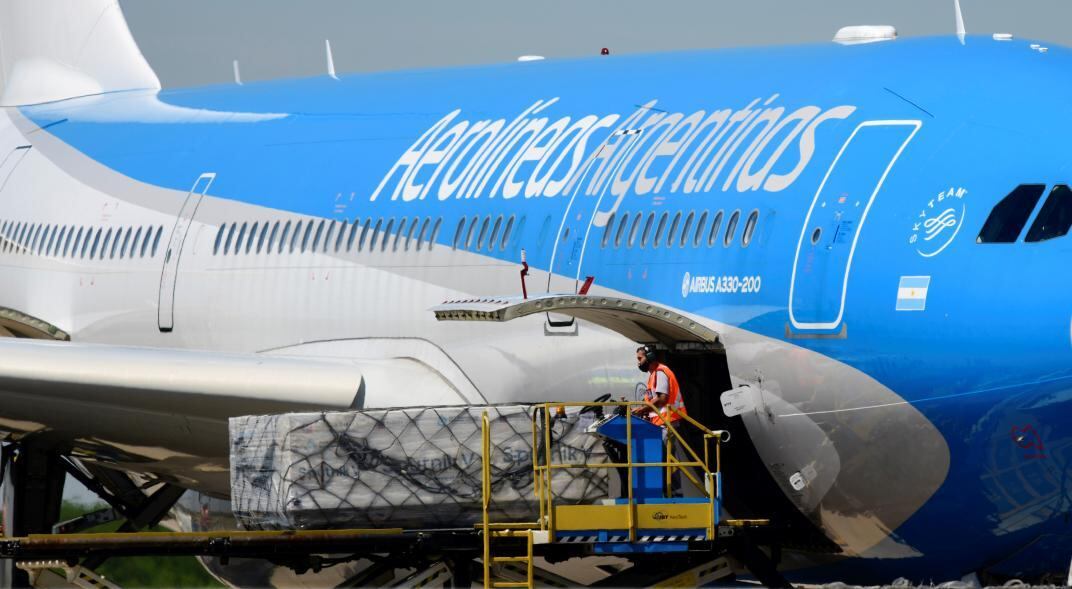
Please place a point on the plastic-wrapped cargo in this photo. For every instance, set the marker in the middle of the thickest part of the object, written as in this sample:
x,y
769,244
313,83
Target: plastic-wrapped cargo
x,y
416,468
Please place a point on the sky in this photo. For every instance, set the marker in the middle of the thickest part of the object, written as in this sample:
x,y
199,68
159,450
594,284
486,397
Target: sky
x,y
193,42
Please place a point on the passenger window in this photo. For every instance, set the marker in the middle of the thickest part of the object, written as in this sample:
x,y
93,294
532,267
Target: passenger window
x,y
295,238
483,232
321,237
252,237
50,236
75,242
230,239
374,234
749,228
458,233
435,233
319,234
621,229
333,227
78,243
673,229
494,237
413,230
424,231
716,223
306,236
398,235
701,225
607,229
355,227
114,237
731,228
659,230
262,238
134,244
28,244
1055,217
469,234
634,227
88,239
95,246
240,240
124,249
1009,216
506,233
156,239
686,227
386,235
272,242
648,224
62,240
366,231
145,240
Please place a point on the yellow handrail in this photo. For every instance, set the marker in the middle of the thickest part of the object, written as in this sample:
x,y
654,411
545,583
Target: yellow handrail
x,y
485,467
542,472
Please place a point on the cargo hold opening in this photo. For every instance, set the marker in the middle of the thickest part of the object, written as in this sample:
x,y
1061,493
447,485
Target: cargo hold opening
x,y
698,358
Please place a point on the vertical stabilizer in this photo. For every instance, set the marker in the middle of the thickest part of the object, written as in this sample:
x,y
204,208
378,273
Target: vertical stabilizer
x,y
56,49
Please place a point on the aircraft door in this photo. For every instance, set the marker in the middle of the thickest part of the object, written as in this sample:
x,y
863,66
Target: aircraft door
x,y
582,213
170,272
828,238
12,161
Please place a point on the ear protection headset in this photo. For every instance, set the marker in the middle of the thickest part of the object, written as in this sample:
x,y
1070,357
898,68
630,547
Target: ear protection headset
x,y
649,353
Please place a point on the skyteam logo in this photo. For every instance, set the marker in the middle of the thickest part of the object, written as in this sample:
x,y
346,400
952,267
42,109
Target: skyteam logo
x,y
685,282
939,222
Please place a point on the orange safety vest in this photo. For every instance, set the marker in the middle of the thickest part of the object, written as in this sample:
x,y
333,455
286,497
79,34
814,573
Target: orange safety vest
x,y
673,396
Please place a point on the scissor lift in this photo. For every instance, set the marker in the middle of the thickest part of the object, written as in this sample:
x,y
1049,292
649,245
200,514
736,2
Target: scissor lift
x,y
646,519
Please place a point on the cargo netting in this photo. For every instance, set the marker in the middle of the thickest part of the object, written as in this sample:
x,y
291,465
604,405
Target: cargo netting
x,y
411,468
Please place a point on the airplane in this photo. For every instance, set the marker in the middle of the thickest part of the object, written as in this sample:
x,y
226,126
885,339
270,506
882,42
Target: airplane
x,y
872,227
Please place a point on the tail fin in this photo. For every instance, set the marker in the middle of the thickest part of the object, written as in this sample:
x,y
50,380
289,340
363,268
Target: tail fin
x,y
56,49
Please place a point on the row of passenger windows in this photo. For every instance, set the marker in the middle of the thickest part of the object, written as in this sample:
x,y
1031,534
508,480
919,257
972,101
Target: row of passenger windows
x,y
69,241
326,236
466,234
625,231
1006,221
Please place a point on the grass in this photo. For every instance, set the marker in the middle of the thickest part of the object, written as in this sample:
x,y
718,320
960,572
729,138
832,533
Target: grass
x,y
144,571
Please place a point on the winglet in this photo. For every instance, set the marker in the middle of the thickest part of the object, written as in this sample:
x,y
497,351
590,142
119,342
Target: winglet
x,y
960,21
237,74
331,60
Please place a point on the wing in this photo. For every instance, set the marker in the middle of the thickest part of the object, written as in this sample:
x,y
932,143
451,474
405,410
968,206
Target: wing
x,y
165,411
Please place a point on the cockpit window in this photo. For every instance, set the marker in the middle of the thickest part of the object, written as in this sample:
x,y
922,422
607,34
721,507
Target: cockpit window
x,y
1009,216
1055,217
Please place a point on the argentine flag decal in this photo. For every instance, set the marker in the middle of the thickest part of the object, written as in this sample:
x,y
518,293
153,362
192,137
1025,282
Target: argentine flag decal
x,y
912,293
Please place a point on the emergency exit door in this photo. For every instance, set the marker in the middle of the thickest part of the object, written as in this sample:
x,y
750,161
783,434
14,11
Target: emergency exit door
x,y
170,272
828,239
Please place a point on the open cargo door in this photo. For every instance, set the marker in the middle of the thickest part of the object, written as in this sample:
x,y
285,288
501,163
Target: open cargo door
x,y
692,350
639,321
698,358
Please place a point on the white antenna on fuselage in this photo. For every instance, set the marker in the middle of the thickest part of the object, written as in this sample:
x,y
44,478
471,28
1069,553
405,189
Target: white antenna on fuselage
x,y
237,74
960,21
331,60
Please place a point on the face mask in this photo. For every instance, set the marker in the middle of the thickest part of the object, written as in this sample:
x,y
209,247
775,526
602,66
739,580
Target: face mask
x,y
643,366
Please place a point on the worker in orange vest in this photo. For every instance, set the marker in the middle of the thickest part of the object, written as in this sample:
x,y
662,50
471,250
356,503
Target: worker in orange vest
x,y
664,394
